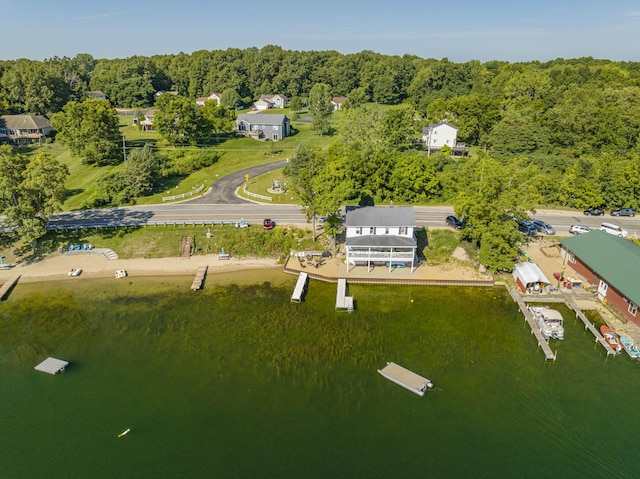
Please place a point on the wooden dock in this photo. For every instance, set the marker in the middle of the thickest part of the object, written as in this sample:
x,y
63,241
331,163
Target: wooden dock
x,y
198,281
185,247
300,288
589,325
542,341
343,302
7,287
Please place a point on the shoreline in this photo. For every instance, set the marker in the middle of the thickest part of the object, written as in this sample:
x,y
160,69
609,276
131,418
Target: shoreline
x,y
56,266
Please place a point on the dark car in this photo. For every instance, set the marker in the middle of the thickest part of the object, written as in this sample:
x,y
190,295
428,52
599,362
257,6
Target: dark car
x,y
544,227
623,212
268,224
454,222
594,212
527,227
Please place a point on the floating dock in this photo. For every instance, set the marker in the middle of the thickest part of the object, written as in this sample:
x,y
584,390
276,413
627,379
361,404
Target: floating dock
x,y
7,287
405,378
198,281
52,366
343,302
300,288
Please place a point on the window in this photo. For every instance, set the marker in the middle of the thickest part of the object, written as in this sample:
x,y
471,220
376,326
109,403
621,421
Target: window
x,y
358,231
633,309
403,230
275,127
386,231
372,231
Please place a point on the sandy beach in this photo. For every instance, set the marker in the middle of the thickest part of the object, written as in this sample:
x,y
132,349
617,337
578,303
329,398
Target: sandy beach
x,y
57,266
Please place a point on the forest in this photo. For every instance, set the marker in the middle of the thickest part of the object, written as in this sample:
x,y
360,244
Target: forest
x,y
562,133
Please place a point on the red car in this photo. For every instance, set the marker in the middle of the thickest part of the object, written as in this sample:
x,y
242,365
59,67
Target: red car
x,y
268,224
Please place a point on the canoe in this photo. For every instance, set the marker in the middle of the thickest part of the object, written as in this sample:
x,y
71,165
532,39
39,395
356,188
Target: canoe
x,y
630,347
611,337
124,433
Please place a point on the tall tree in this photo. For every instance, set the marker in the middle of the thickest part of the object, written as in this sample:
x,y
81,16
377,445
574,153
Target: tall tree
x,y
91,130
179,120
320,108
218,119
32,189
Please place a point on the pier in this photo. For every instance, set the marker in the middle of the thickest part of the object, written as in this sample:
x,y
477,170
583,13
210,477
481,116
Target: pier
x,y
198,281
343,302
542,341
7,287
300,288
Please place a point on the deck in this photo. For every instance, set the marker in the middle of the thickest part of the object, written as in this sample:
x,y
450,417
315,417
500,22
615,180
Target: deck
x,y
7,287
198,281
405,378
300,288
343,302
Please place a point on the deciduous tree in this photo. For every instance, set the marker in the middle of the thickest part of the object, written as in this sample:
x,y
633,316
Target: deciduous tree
x,y
320,108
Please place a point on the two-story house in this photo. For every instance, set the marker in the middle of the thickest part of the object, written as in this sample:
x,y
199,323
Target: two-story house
x,y
260,126
19,130
437,135
265,102
200,101
381,235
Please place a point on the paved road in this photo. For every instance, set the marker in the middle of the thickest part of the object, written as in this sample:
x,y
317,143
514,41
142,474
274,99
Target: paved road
x,y
222,192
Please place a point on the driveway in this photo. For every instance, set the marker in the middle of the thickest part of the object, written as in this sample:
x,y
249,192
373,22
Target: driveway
x,y
222,192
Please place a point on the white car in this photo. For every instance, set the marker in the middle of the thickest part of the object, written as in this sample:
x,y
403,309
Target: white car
x,y
579,229
614,230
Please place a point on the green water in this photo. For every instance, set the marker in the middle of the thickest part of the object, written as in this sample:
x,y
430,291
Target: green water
x,y
235,381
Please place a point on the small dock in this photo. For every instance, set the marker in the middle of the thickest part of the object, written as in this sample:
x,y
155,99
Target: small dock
x,y
300,288
198,281
343,302
542,341
52,366
589,325
405,378
7,287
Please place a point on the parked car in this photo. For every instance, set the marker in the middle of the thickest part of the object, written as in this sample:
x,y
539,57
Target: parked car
x,y
623,212
594,212
454,222
614,230
543,227
268,224
527,227
579,229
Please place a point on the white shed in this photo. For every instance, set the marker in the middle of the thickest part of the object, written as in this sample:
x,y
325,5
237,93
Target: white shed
x,y
530,278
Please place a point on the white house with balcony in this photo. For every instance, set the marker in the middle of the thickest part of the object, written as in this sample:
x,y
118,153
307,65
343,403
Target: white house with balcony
x,y
381,236
437,135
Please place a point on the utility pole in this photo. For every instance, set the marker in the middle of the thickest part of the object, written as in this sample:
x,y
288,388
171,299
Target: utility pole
x,y
124,150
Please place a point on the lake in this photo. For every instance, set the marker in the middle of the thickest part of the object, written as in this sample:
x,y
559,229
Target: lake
x,y
236,381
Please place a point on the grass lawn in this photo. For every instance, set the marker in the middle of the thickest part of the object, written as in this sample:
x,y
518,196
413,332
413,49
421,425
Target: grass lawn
x,y
260,185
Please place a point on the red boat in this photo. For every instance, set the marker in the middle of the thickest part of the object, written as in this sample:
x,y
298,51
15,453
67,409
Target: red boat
x,y
611,338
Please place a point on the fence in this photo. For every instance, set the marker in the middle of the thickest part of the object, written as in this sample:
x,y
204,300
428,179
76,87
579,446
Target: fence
x,y
184,195
254,195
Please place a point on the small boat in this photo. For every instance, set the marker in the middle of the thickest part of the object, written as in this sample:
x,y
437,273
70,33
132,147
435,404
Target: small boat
x,y
124,433
121,273
549,321
630,347
611,337
75,272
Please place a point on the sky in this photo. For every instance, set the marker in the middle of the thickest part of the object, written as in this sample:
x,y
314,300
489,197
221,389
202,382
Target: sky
x,y
484,30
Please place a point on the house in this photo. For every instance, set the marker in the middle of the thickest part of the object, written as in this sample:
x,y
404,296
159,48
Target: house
x,y
265,102
437,135
610,264
530,278
260,126
338,102
381,235
19,130
159,93
200,101
96,95
146,123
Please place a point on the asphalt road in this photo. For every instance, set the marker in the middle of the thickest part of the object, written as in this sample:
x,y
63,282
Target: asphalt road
x,y
220,203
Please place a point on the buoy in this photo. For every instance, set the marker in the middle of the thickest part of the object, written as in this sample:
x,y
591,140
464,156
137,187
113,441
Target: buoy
x,y
412,300
123,433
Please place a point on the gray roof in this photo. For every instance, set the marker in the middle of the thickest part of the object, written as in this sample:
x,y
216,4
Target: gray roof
x,y
614,259
380,216
426,129
24,122
262,118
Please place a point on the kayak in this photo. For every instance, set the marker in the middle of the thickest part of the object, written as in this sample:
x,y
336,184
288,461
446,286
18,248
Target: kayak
x,y
124,433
